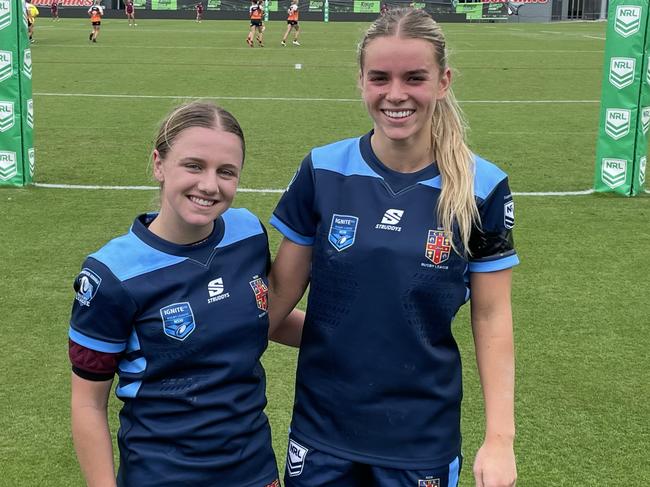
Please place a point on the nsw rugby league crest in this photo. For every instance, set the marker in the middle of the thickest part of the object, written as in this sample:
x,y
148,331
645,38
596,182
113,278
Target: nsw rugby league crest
x,y
261,291
438,248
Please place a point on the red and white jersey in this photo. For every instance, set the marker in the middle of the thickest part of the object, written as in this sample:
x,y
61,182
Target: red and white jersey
x,y
292,12
255,12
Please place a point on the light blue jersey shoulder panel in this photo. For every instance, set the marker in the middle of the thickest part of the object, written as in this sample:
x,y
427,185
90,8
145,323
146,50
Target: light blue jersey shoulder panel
x,y
128,256
486,177
343,157
239,224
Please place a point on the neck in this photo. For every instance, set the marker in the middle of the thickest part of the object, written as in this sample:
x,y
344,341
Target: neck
x,y
179,233
407,156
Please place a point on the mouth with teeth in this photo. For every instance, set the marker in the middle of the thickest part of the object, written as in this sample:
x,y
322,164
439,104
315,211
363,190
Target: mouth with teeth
x,y
398,114
202,202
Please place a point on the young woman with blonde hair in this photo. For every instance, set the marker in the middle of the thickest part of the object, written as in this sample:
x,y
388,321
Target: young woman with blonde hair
x,y
394,231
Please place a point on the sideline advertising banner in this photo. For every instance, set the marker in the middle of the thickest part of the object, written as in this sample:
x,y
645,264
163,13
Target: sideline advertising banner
x,y
17,161
622,143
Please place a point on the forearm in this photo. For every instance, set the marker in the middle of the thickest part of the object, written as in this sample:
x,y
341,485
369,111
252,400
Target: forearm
x,y
289,332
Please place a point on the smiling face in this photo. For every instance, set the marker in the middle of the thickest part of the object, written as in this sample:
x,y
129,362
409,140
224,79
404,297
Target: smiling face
x,y
199,177
401,82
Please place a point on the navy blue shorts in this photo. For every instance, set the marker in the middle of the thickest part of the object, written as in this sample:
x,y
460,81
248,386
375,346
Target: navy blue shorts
x,y
308,467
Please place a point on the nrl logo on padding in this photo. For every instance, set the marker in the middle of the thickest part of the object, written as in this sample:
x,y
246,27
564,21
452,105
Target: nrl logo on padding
x,y
6,65
5,13
6,115
32,161
27,63
613,172
30,113
642,165
8,165
628,20
621,71
617,122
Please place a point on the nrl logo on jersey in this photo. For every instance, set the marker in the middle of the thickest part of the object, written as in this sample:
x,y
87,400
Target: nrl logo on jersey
x,y
642,165
6,65
30,113
621,71
27,63
86,285
6,115
617,122
628,20
509,214
343,231
32,161
261,291
5,13
613,172
8,165
178,320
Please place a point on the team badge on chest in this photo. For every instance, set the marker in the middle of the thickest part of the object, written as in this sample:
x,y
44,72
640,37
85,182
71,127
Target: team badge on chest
x,y
343,230
261,291
178,320
429,483
438,247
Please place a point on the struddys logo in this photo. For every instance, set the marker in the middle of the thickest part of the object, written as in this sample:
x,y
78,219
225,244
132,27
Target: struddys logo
x,y
87,284
628,20
7,117
617,122
27,63
261,291
30,113
6,65
438,248
32,161
613,172
645,119
8,165
5,13
178,320
621,71
343,231
642,165
429,483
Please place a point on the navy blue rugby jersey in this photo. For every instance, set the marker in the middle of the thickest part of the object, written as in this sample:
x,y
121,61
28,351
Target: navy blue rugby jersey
x,y
379,372
192,324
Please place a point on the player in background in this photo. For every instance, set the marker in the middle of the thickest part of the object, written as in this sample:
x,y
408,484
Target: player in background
x,y
256,14
292,23
32,12
96,12
394,231
129,9
54,11
178,308
199,12
384,9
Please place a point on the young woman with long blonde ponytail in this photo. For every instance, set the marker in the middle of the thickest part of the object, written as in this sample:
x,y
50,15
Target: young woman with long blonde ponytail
x,y
391,230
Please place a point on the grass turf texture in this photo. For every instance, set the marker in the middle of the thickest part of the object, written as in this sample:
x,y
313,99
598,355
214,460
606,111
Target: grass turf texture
x,y
580,294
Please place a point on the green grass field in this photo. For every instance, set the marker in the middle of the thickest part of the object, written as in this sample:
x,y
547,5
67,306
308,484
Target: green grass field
x,y
531,95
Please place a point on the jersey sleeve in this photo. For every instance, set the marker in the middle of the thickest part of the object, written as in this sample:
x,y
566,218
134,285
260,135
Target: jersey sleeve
x,y
491,245
102,312
294,216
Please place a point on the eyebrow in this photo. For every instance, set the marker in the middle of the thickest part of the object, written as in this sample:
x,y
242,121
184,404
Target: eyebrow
x,y
413,72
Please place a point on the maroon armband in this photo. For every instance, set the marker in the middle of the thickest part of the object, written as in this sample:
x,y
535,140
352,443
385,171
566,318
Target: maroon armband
x,y
91,364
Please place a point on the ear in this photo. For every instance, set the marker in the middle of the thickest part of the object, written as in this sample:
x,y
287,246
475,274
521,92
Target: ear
x,y
157,166
360,81
444,83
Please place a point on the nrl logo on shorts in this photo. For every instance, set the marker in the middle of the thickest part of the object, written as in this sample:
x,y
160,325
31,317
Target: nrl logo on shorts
x,y
30,113
429,483
617,122
613,172
642,164
6,115
5,13
27,63
628,20
438,248
178,320
296,454
621,71
8,165
32,161
6,66
343,231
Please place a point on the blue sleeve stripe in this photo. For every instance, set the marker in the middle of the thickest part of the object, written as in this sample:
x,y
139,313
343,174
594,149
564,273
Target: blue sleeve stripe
x,y
128,390
486,177
129,257
239,224
133,366
454,468
494,265
295,237
94,344
343,157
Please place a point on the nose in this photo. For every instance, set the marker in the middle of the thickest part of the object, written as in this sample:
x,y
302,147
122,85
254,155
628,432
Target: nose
x,y
396,92
208,183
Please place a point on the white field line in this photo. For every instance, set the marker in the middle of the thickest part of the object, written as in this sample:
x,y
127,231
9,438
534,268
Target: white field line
x,y
595,37
272,190
274,98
